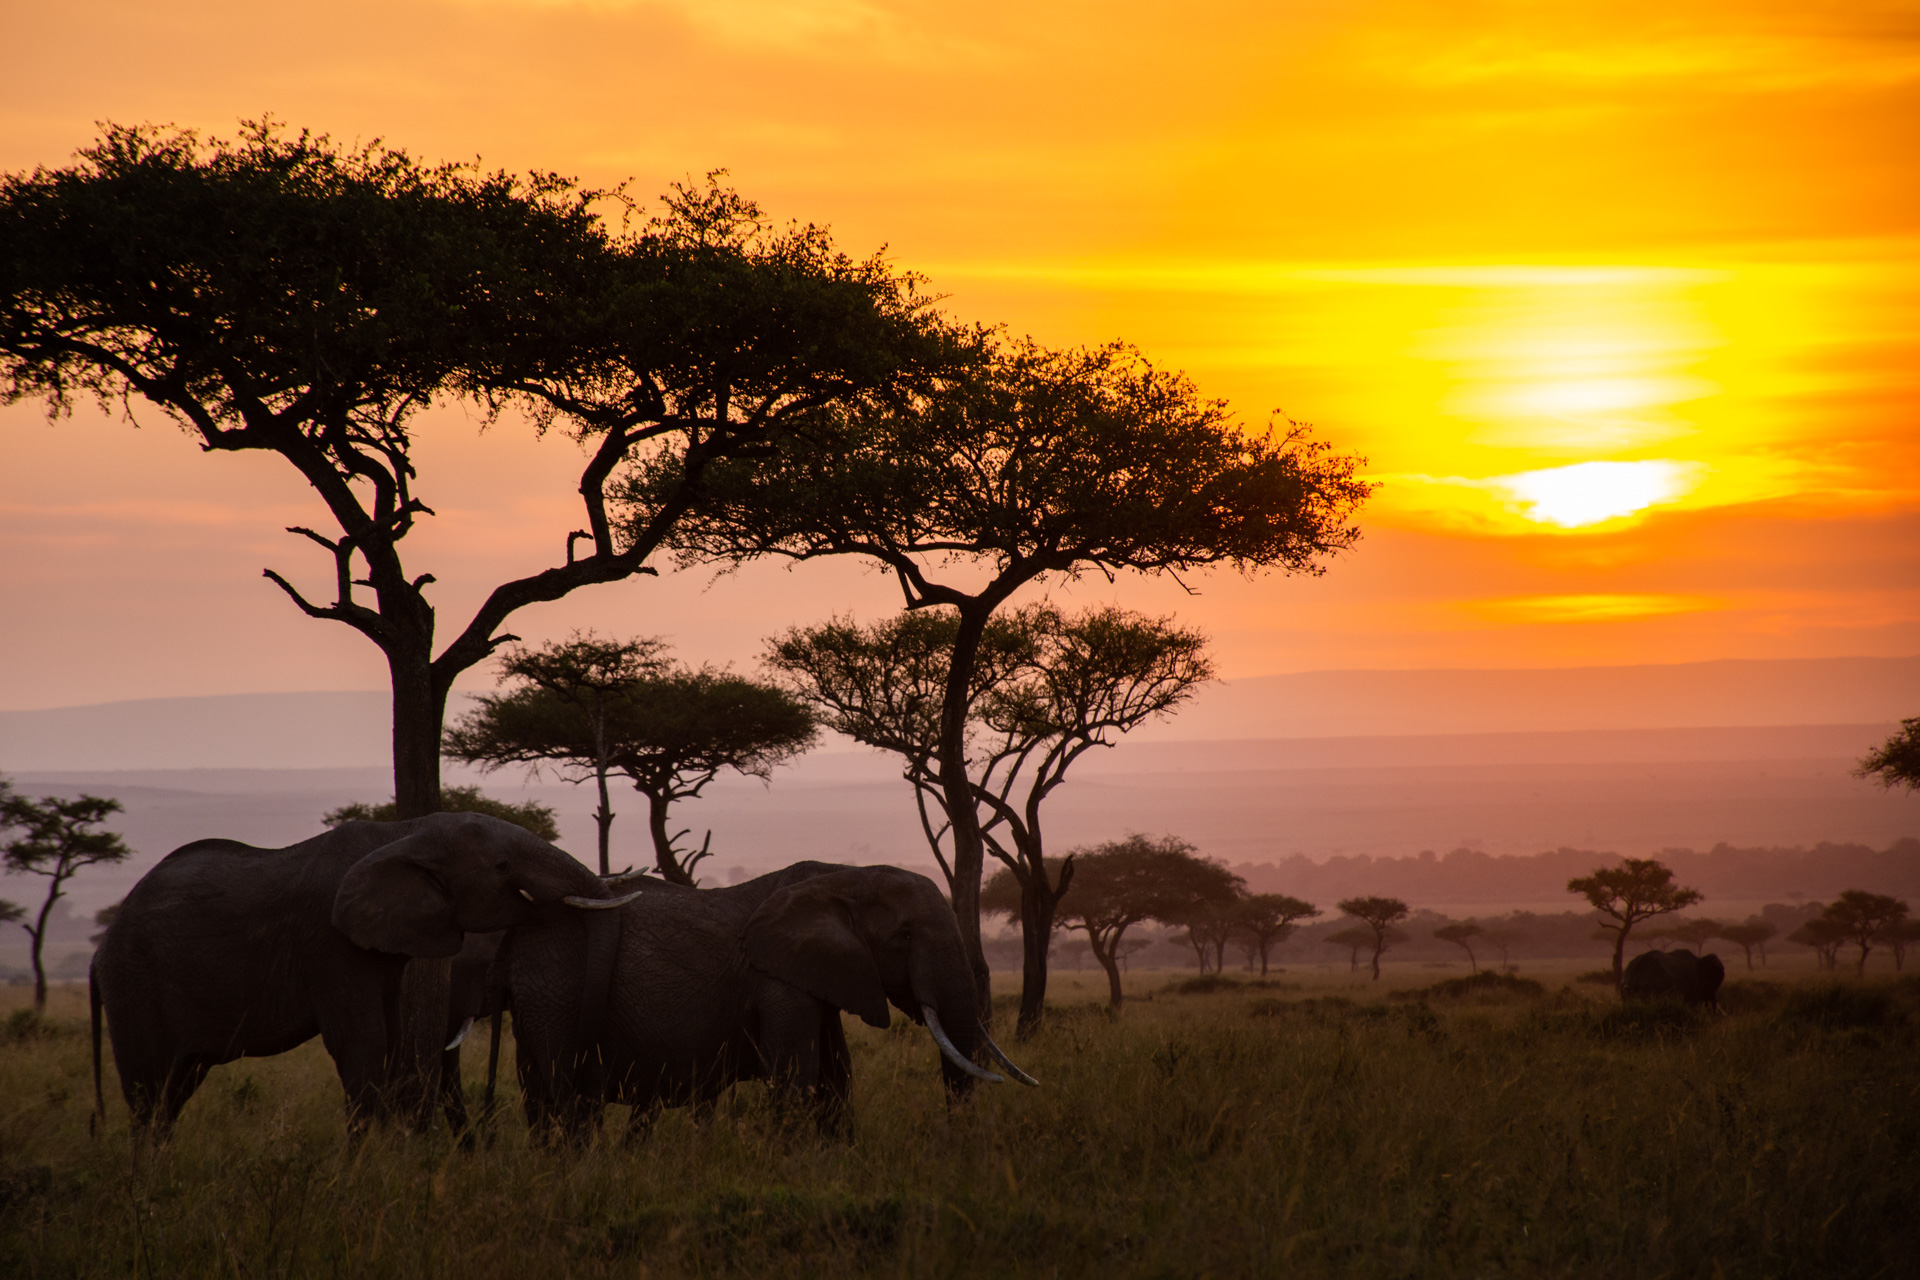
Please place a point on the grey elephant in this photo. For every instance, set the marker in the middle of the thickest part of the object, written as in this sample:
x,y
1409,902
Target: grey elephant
x,y
715,986
1694,979
224,950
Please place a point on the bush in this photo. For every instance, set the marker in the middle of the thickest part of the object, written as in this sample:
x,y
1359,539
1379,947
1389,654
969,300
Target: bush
x,y
1483,984
1667,1019
1598,977
1207,984
1836,1006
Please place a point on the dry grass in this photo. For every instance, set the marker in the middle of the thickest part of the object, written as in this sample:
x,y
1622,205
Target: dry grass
x,y
1314,1129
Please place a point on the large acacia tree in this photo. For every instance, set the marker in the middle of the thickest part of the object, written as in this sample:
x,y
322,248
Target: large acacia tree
x,y
1047,688
1638,889
1025,464
280,293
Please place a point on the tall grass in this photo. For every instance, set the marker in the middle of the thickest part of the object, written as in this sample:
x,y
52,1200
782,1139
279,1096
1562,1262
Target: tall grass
x,y
1490,1131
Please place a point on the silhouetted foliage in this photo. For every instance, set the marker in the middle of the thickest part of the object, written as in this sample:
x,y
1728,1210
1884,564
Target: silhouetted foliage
x,y
1824,936
1895,762
1123,882
1749,934
1047,688
1025,463
1461,934
531,814
1379,914
281,293
1638,889
593,706
56,840
1863,919
1356,939
1264,920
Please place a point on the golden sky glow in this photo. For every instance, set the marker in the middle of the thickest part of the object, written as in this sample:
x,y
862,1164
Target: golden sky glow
x,y
1621,301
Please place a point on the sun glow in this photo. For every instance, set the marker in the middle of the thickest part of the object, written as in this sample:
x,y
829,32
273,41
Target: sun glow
x,y
1589,493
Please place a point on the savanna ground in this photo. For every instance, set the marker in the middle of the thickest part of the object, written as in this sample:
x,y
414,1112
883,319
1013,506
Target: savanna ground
x,y
1312,1126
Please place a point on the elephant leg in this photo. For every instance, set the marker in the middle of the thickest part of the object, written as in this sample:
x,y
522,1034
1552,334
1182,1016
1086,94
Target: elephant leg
x,y
835,1086
158,1102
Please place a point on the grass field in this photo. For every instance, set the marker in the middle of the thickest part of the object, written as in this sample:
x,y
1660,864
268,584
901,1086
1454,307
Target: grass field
x,y
1313,1126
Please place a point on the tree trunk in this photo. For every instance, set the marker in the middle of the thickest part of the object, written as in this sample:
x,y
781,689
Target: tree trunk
x,y
1037,906
1109,960
969,850
419,709
1619,958
670,868
603,815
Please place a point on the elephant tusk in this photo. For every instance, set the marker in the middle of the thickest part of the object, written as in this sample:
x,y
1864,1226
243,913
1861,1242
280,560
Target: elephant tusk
x,y
461,1034
952,1054
601,904
623,877
1000,1055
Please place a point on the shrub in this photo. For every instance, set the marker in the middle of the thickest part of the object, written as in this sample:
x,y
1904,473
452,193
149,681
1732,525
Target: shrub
x,y
1650,1020
1483,984
1835,1006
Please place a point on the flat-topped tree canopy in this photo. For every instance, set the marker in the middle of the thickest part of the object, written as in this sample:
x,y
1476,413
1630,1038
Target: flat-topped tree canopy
x,y
1019,463
280,292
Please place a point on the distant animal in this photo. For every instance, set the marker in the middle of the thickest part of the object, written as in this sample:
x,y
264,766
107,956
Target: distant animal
x,y
714,986
225,950
1694,979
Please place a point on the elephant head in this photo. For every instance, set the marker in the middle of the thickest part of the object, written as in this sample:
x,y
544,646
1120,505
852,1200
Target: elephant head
x,y
456,874
866,937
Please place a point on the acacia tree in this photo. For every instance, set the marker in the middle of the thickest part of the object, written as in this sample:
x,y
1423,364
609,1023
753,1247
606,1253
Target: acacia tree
x,y
1638,889
1895,762
1263,921
564,713
1356,939
1862,919
1379,915
1824,937
1461,934
56,841
1749,934
1047,688
280,294
528,814
1123,882
1026,463
683,728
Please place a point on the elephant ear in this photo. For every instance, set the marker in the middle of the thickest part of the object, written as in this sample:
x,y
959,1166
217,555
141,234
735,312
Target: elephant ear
x,y
804,936
388,902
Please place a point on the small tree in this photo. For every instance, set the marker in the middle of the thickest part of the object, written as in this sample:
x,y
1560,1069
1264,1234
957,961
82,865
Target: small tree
x,y
1503,938
1694,933
1638,889
1862,918
57,842
1824,936
1379,914
1119,884
531,814
1461,934
1899,935
1749,934
1895,762
1355,939
1210,926
566,713
685,728
1263,921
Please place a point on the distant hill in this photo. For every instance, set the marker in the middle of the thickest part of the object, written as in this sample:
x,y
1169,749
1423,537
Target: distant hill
x,y
350,729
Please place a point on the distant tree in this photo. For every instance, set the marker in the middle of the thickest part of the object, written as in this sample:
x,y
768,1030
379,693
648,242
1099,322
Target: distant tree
x,y
1749,934
1863,918
531,814
568,713
103,918
1638,889
1899,935
1378,914
686,727
1824,936
1895,762
1263,921
1461,934
1209,928
1027,464
1693,933
1356,939
1503,938
1123,882
1048,687
56,841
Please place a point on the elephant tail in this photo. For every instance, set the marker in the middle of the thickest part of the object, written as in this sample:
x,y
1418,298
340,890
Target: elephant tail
x,y
99,1115
493,1068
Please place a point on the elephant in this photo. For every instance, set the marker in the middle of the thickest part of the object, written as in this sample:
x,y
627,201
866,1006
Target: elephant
x,y
224,950
714,986
1694,979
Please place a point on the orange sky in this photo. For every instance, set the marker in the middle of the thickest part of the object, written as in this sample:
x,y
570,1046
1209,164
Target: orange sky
x,y
1622,304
